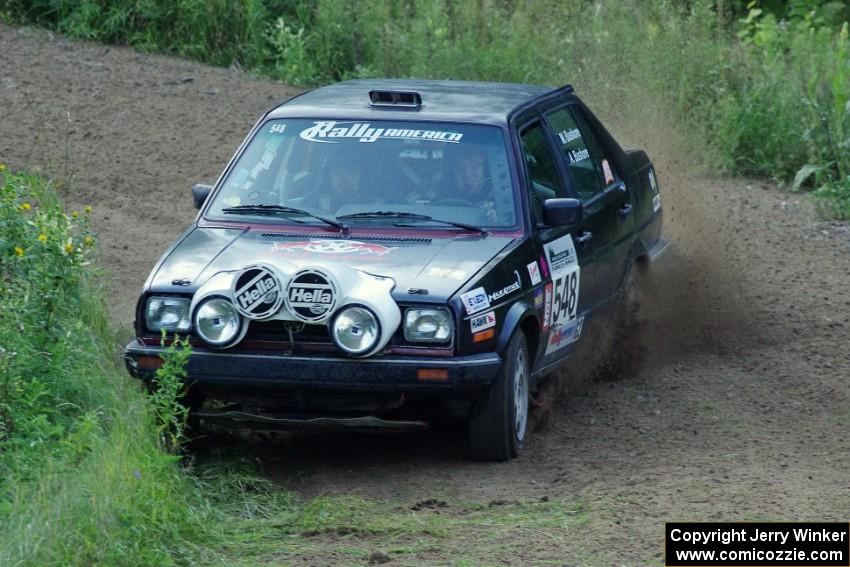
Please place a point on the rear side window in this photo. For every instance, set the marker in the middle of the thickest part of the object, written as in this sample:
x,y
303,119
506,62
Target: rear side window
x,y
544,179
583,153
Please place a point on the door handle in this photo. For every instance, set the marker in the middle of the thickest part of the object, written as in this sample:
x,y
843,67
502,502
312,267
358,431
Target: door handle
x,y
625,210
584,237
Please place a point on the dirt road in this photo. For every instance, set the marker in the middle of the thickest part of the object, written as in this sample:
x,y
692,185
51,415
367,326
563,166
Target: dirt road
x,y
741,409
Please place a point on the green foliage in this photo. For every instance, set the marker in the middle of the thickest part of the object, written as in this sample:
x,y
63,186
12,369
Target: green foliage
x,y
83,479
168,391
216,31
761,87
44,254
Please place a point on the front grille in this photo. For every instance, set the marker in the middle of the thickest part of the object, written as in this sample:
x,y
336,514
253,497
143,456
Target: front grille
x,y
277,331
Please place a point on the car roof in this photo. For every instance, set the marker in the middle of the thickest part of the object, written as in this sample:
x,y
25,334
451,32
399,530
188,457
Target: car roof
x,y
455,101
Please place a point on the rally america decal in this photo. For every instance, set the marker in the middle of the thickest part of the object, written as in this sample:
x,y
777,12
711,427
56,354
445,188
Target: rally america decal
x,y
257,292
563,264
332,132
475,300
311,296
483,322
351,247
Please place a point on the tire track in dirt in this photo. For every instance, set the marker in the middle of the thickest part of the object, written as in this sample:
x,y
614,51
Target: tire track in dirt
x,y
739,411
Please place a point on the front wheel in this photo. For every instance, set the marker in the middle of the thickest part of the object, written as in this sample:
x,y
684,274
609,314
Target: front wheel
x,y
497,427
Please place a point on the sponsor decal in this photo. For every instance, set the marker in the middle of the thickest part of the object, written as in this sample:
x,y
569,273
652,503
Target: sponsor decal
x,y
508,289
534,273
459,275
564,335
311,296
561,254
332,132
547,307
565,285
606,169
538,298
483,322
652,182
257,292
332,247
475,300
277,128
567,136
578,155
544,267
656,203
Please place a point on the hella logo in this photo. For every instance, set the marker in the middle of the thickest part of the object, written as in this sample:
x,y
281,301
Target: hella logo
x,y
257,292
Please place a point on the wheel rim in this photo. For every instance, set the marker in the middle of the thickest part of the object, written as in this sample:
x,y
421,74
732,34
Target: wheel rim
x,y
520,396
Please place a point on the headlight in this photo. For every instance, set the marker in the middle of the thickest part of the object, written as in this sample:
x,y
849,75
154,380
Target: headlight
x,y
217,321
355,329
169,313
427,325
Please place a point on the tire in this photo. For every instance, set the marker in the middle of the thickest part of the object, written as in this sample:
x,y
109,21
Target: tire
x,y
499,422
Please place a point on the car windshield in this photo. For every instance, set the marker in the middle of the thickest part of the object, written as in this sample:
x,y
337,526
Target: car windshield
x,y
384,173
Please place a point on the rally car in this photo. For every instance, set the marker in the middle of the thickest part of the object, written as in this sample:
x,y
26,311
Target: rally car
x,y
384,253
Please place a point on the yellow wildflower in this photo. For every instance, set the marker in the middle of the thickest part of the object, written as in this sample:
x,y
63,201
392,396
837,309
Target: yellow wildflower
x,y
88,240
69,247
25,206
87,209
2,167
42,238
74,214
19,251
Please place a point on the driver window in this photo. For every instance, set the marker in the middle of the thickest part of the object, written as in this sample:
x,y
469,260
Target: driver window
x,y
582,152
543,176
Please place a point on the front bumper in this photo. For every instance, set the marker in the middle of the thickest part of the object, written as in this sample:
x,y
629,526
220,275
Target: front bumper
x,y
268,371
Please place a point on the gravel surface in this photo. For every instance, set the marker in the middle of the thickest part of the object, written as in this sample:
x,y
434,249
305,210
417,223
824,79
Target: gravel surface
x,y
739,409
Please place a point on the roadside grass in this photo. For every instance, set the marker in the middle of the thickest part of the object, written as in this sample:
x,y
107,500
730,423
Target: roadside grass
x,y
263,523
83,478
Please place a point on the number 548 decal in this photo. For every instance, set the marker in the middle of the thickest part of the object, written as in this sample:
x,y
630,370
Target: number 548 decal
x,y
565,298
566,277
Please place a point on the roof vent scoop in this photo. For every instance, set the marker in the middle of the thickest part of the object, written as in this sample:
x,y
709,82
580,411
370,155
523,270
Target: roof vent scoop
x,y
395,99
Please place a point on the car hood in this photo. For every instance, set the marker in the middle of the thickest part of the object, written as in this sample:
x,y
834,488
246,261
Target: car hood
x,y
433,267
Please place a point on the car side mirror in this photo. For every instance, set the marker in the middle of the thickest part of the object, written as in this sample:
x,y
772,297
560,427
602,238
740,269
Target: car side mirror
x,y
200,193
562,212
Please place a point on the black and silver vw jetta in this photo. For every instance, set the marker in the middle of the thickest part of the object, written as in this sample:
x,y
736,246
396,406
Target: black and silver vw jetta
x,y
384,253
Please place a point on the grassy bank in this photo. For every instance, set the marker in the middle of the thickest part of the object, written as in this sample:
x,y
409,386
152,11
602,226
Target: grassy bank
x,y
83,479
760,88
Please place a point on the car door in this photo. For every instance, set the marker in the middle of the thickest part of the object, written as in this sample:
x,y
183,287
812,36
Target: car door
x,y
608,208
565,263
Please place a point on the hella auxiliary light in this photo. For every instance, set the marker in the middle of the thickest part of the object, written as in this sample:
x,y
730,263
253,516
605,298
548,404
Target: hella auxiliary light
x,y
168,313
427,325
217,321
355,330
